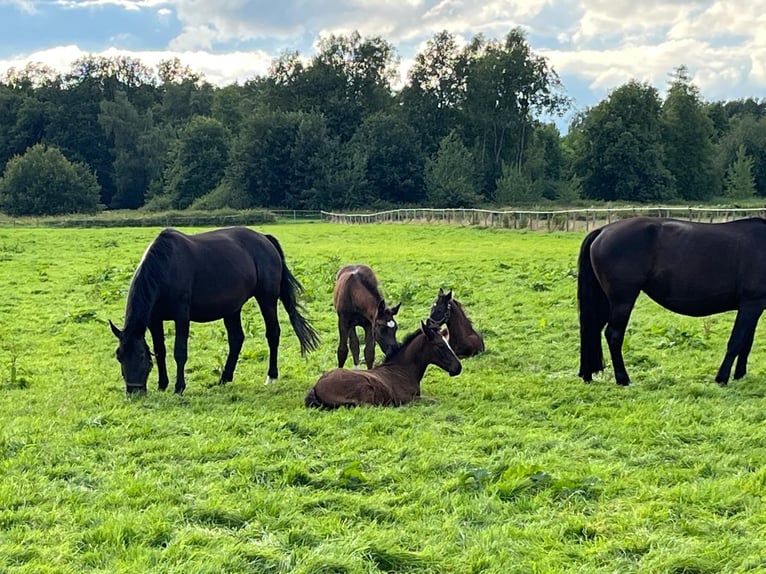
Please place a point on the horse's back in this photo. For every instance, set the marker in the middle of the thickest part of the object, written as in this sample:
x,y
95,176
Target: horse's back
x,y
356,291
344,387
691,268
223,268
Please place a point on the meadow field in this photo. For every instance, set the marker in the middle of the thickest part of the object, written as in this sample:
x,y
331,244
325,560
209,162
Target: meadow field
x,y
519,466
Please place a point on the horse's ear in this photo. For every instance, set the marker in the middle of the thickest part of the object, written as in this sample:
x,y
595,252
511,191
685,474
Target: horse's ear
x,y
382,306
115,330
395,310
441,292
445,333
428,328
449,295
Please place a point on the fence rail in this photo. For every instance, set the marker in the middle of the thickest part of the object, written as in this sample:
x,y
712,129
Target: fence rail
x,y
583,219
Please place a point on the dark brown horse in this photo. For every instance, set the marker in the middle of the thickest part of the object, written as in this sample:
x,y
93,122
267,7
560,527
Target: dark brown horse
x,y
396,381
464,339
201,278
359,303
694,269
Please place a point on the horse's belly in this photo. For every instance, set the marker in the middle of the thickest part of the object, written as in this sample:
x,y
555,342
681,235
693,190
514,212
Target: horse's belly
x,y
693,304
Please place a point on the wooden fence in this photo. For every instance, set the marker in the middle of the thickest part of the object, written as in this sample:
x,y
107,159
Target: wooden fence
x,y
561,220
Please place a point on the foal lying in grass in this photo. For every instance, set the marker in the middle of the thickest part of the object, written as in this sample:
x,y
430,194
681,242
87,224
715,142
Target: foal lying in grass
x,y
396,381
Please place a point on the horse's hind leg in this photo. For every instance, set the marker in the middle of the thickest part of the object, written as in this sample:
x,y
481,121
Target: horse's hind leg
x,y
619,315
369,346
740,343
343,334
158,342
273,331
235,336
741,369
353,342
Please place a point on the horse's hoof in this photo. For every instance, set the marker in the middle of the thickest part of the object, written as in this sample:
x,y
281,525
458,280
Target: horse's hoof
x,y
269,380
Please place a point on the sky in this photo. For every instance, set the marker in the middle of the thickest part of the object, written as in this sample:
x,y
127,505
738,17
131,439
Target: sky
x,y
595,46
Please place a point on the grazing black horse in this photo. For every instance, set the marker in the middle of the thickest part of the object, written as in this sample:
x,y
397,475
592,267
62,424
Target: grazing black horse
x,y
695,269
202,278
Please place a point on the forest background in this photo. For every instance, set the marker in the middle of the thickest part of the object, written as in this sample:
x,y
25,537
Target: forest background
x,y
473,126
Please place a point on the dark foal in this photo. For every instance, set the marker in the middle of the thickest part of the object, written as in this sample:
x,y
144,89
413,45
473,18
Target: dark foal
x,y
394,382
465,340
359,303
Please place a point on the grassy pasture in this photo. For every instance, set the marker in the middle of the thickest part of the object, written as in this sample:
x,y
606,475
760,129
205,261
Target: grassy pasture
x,y
520,467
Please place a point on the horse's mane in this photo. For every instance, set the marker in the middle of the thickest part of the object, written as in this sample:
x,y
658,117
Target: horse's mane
x,y
405,343
147,279
459,306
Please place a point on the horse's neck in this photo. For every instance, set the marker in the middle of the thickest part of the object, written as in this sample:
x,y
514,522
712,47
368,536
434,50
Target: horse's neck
x,y
141,299
408,364
458,321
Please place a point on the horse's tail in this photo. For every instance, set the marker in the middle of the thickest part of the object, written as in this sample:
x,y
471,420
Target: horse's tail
x,y
594,312
289,289
312,400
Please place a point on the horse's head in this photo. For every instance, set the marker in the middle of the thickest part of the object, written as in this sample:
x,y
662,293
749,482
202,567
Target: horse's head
x,y
440,310
438,350
385,327
135,360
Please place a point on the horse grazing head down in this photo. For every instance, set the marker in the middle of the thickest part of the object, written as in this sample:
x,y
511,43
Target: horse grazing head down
x,y
442,307
386,326
135,360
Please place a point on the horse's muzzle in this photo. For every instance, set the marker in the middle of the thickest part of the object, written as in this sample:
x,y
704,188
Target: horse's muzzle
x,y
456,371
135,389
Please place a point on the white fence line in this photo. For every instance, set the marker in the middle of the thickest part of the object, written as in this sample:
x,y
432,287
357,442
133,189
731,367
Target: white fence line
x,y
556,220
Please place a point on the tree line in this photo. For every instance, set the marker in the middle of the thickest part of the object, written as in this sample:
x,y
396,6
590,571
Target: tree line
x,y
470,127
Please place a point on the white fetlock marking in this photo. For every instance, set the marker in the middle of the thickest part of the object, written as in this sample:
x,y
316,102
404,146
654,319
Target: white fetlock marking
x,y
269,380
357,366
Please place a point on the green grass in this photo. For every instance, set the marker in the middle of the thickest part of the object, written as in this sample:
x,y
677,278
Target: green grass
x,y
520,467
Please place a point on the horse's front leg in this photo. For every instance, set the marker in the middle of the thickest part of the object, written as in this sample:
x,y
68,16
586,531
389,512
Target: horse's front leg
x,y
369,345
273,331
236,337
740,343
158,342
180,352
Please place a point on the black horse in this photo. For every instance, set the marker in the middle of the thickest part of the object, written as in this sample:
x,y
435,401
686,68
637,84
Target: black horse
x,y
201,278
695,269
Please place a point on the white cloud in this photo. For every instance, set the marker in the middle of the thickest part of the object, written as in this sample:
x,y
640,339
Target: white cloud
x,y
218,69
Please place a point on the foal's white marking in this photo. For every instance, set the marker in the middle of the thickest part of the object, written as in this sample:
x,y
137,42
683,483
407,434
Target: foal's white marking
x,y
356,366
269,380
448,345
391,324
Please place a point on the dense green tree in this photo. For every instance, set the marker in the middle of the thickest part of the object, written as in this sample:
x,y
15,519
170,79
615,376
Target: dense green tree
x,y
620,155
278,158
433,98
507,84
740,183
515,188
43,182
137,154
395,160
199,161
687,133
750,132
450,177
